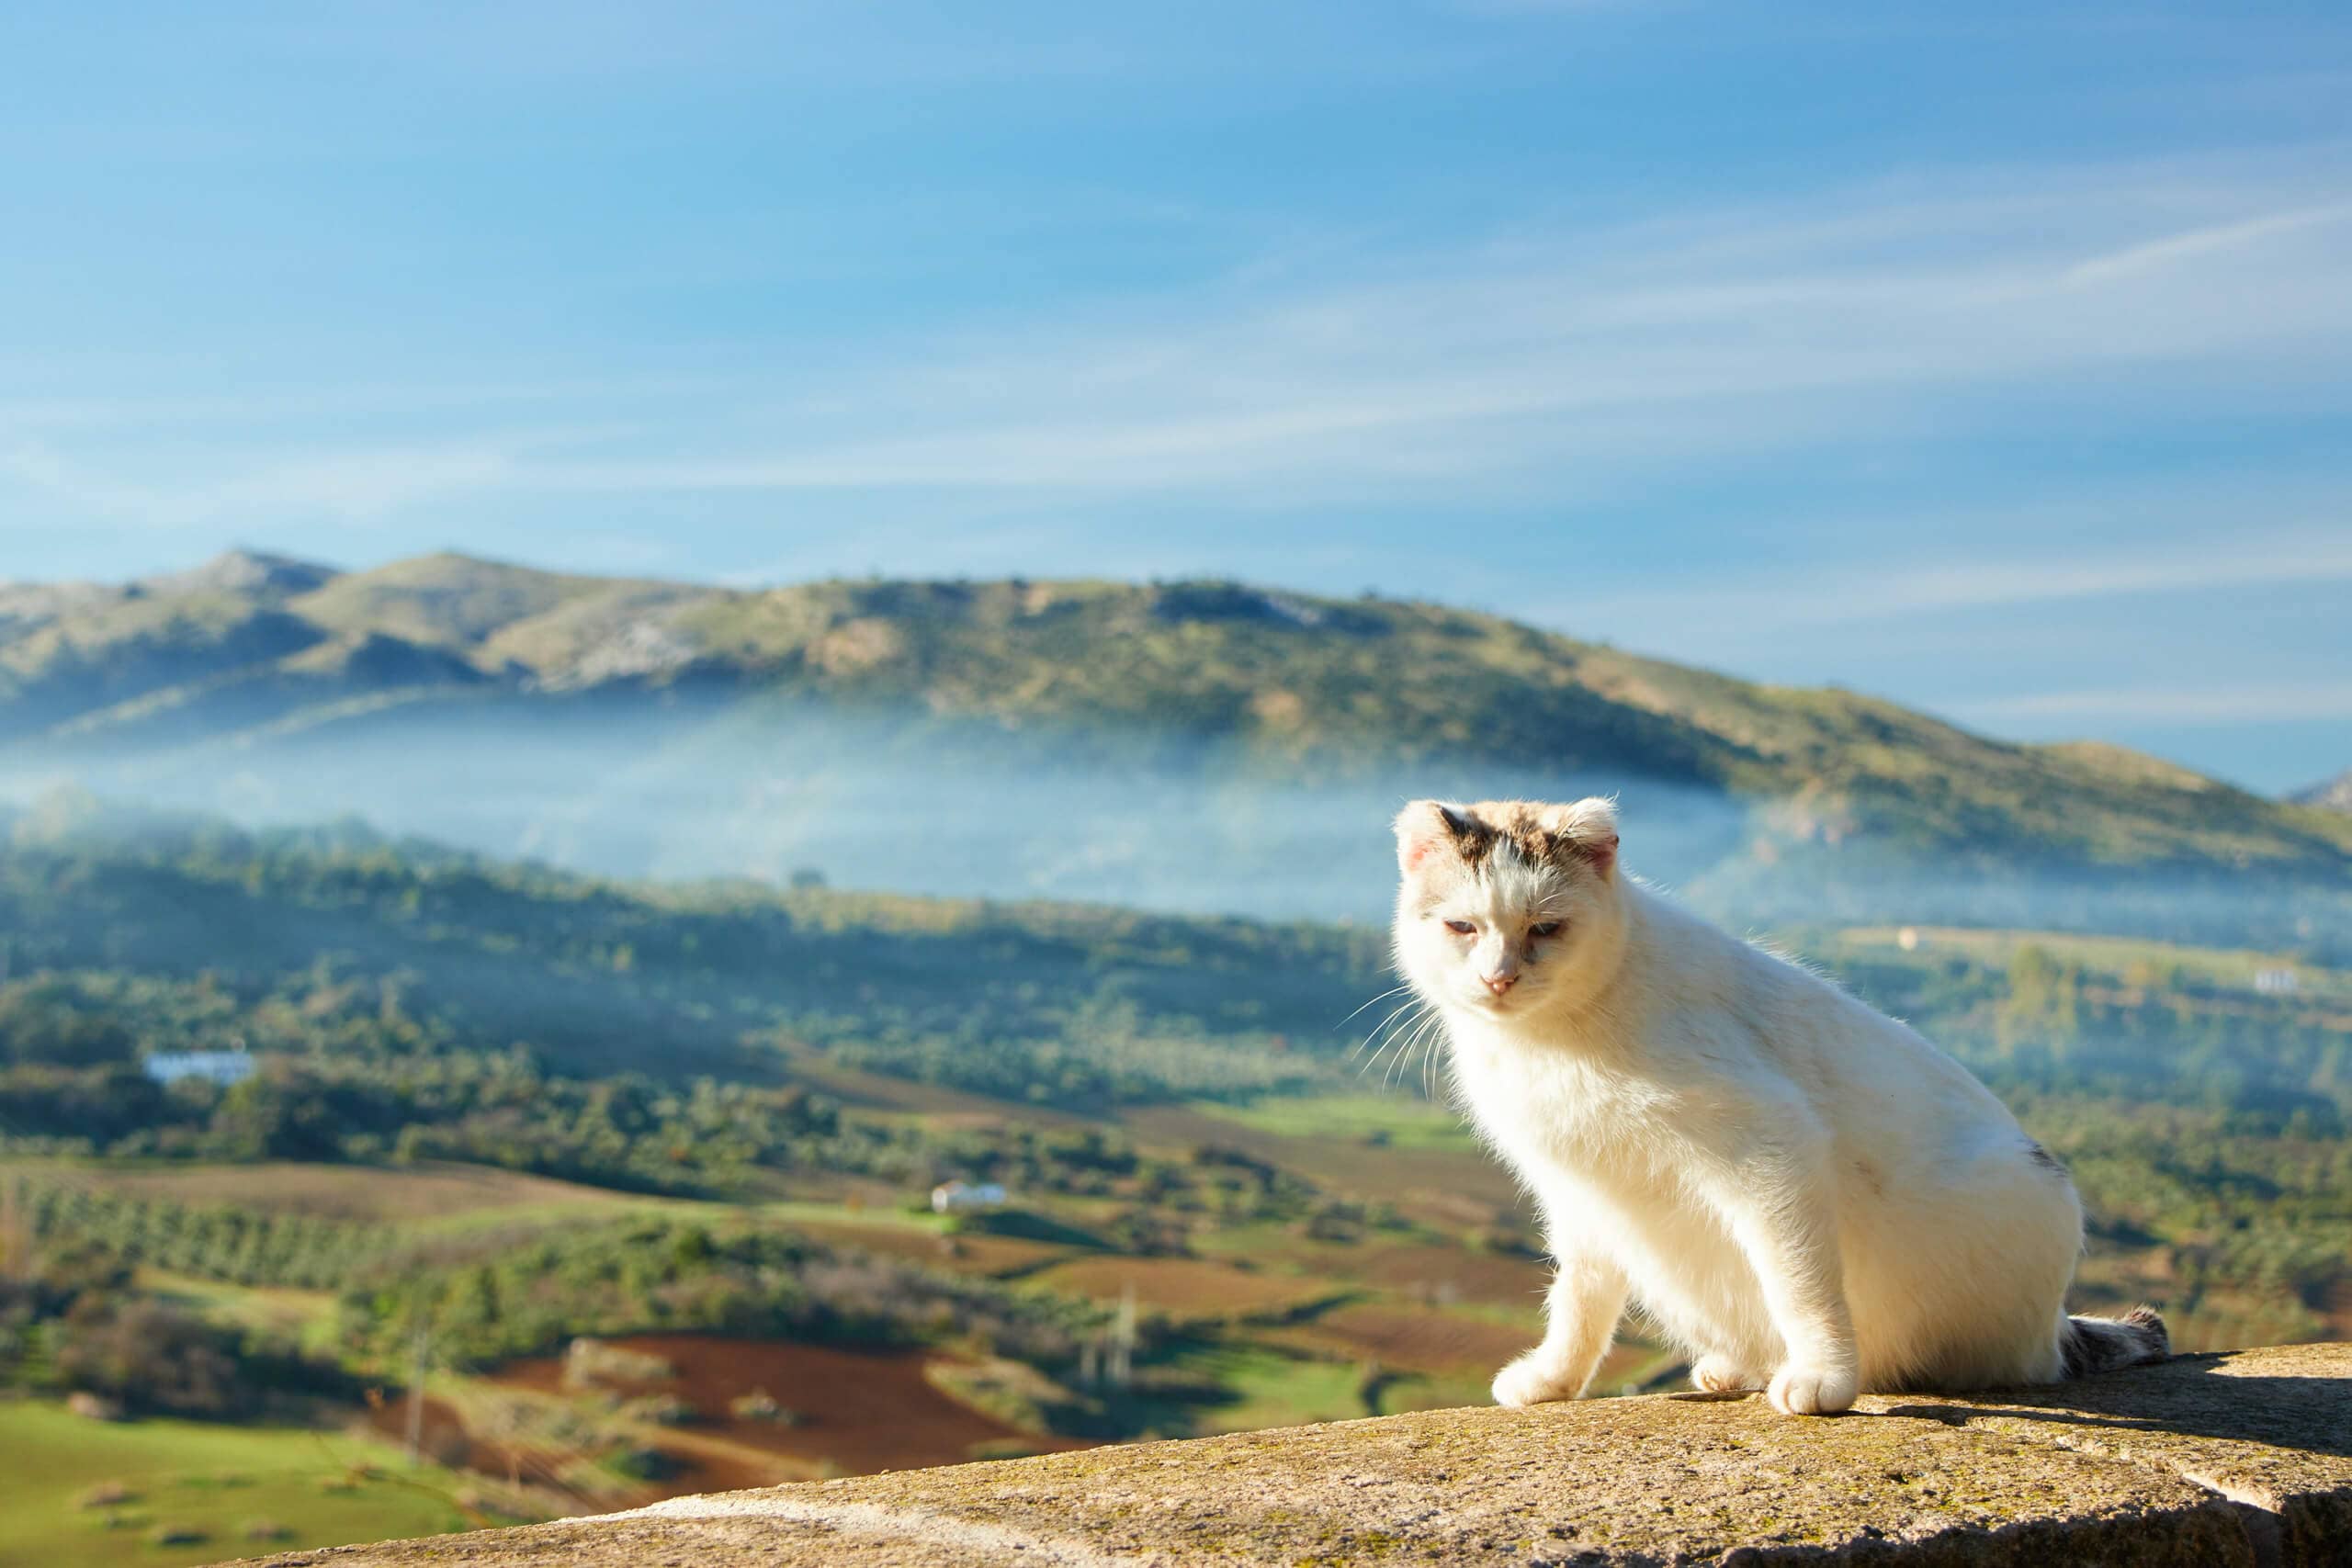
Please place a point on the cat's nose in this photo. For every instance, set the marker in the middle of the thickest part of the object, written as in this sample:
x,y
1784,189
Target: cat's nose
x,y
1499,984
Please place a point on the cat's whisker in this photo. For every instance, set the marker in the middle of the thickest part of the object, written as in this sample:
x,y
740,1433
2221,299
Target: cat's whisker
x,y
1421,1026
1379,1033
1433,1062
1394,1041
1384,1024
1407,1033
1421,1032
1405,1051
1373,1003
1396,1035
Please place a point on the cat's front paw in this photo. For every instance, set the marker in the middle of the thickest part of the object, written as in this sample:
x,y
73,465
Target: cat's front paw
x,y
1720,1375
1802,1389
1535,1379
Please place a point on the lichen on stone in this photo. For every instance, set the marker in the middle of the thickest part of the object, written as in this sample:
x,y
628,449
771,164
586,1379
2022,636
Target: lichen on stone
x,y
2244,1458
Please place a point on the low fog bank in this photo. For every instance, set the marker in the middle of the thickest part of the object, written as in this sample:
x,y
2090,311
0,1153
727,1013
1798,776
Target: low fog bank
x,y
2201,909
967,810
781,794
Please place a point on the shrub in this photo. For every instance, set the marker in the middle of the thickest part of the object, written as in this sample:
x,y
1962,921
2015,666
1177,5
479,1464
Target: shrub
x,y
588,1361
154,1357
761,1406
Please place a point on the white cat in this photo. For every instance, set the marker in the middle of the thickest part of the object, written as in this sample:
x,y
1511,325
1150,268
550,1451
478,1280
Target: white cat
x,y
1803,1194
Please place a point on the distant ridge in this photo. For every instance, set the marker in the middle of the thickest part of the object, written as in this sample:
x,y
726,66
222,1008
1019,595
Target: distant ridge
x,y
70,611
243,571
251,649
2334,794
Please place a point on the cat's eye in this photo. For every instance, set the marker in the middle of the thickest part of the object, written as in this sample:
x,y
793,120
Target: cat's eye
x,y
1460,927
1544,928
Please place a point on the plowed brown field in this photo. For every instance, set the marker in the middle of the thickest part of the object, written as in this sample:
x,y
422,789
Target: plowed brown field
x,y
1185,1287
351,1191
1410,1340
861,1410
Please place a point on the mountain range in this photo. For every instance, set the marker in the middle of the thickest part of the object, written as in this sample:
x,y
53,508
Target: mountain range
x,y
218,673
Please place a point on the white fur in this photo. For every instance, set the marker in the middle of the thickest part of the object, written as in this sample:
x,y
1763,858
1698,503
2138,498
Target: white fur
x,y
1803,1194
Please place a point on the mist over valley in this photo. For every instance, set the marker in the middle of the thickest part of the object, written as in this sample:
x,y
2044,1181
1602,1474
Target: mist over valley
x,y
1199,746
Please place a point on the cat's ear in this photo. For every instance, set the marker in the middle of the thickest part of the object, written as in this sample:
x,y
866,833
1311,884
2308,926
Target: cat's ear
x,y
1425,827
1588,829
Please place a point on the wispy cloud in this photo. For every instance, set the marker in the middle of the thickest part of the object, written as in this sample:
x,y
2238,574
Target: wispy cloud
x,y
1938,579
2247,703
1607,352
1559,365
349,484
2192,243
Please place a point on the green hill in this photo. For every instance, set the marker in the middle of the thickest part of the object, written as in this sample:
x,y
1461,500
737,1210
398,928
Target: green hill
x,y
366,950
251,649
123,931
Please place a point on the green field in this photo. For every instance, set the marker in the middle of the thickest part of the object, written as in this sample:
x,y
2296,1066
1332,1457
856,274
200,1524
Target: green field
x,y
1394,1119
303,1317
214,1481
2227,966
1267,1388
871,1216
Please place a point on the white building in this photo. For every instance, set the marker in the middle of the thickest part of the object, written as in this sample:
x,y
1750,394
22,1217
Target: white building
x,y
2277,982
962,1197
223,1068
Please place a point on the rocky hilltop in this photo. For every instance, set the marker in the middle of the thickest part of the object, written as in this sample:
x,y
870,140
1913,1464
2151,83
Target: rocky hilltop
x,y
2336,793
2243,1458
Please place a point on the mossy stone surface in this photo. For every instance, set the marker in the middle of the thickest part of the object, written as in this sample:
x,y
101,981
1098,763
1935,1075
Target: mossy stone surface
x,y
2239,1459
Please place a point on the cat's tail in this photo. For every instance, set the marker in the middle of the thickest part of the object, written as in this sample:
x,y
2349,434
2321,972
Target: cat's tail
x,y
2103,1344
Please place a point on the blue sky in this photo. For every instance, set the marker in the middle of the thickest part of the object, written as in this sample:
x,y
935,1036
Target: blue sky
x,y
1997,358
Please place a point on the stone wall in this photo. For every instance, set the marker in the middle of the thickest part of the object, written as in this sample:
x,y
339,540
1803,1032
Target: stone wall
x,y
2240,1458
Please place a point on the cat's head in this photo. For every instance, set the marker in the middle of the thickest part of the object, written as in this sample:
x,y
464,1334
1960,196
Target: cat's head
x,y
1509,909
